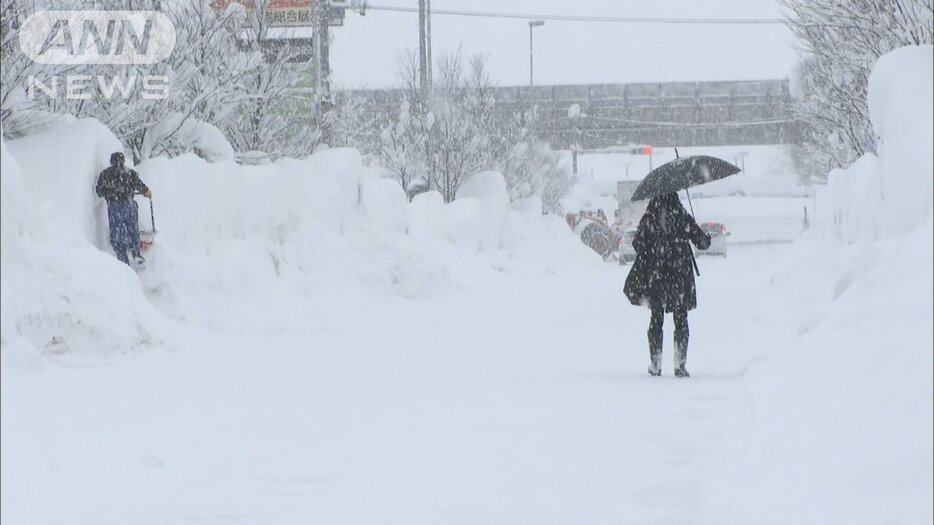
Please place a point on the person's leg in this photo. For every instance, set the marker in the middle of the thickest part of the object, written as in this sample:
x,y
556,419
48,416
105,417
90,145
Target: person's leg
x,y
117,231
655,340
682,333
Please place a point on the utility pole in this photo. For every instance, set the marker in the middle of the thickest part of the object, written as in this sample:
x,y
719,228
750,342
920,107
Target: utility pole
x,y
316,43
532,24
424,79
428,40
322,68
533,109
423,47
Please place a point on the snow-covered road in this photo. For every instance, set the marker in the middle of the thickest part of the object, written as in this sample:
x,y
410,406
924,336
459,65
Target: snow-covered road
x,y
526,401
315,347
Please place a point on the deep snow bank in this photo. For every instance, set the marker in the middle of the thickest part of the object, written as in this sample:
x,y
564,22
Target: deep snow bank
x,y
890,194
841,406
242,246
58,292
839,395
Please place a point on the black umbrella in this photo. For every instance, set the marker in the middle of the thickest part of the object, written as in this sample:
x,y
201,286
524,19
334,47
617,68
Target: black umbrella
x,y
681,174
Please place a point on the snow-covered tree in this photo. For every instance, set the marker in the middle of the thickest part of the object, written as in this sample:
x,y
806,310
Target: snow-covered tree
x,y
437,142
276,114
353,121
841,40
456,138
224,78
401,150
19,113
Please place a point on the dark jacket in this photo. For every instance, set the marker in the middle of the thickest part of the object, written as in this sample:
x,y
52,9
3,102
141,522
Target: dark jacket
x,y
119,184
663,273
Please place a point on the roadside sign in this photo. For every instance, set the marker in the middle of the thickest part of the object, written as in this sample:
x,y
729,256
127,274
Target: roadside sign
x,y
289,13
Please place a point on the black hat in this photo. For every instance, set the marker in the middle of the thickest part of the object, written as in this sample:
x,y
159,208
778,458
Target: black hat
x,y
116,157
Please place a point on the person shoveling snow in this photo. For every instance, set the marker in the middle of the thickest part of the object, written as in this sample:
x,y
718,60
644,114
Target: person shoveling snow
x,y
118,185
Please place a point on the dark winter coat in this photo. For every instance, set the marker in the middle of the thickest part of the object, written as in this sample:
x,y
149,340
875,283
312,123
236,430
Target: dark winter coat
x,y
663,273
117,184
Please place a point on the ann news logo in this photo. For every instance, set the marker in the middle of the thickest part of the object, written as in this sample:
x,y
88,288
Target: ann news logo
x,y
63,38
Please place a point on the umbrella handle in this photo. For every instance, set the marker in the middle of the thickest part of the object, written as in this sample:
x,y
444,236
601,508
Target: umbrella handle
x,y
152,216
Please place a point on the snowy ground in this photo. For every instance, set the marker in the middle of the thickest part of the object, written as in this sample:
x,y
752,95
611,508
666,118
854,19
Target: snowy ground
x,y
418,378
545,415
313,348
397,411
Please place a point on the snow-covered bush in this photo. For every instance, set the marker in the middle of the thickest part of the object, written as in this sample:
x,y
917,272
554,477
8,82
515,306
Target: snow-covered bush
x,y
534,169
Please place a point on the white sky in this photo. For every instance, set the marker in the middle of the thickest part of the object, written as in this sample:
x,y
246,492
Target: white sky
x,y
365,50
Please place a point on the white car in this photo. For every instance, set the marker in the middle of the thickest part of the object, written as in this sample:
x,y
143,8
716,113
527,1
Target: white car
x,y
626,251
718,237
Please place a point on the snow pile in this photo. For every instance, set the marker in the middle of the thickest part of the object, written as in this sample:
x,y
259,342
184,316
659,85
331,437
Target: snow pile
x,y
586,195
489,204
205,139
841,406
60,167
60,293
889,195
247,246
901,105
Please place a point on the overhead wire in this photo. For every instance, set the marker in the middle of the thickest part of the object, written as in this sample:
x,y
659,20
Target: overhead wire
x,y
582,18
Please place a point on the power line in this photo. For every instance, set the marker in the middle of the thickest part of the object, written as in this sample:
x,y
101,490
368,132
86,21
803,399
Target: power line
x,y
727,123
583,18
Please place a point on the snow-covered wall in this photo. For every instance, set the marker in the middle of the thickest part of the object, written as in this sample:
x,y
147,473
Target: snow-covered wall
x,y
890,194
60,167
57,290
901,106
236,243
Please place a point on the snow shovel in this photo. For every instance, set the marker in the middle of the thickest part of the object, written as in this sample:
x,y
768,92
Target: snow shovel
x,y
147,238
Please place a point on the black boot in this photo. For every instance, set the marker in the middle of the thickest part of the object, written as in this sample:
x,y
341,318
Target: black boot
x,y
681,356
655,368
655,355
656,336
682,333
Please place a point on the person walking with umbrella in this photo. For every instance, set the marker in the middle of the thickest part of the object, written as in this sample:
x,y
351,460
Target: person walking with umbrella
x,y
664,264
662,276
